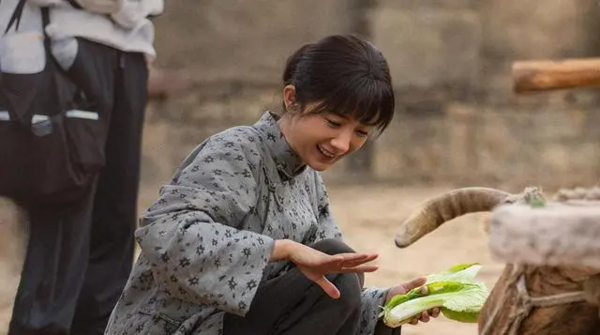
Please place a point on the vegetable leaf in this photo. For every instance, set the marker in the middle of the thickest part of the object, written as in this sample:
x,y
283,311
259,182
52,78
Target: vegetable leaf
x,y
454,291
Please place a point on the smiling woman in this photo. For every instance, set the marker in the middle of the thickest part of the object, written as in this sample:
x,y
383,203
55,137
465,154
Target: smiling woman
x,y
346,75
335,93
322,139
245,224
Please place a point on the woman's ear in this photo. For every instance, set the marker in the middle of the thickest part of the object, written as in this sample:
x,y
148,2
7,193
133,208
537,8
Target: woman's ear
x,y
289,96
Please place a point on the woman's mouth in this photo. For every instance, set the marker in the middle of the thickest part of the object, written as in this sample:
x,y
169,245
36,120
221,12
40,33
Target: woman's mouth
x,y
326,153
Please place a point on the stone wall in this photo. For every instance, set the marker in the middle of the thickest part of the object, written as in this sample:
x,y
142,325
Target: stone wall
x,y
220,41
501,147
457,120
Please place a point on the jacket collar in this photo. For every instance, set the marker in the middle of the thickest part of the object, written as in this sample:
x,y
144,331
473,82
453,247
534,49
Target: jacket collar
x,y
288,163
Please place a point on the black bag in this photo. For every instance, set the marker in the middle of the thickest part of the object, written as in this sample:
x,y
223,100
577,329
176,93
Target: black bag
x,y
52,136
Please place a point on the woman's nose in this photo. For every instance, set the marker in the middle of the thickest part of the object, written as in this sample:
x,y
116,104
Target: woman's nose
x,y
342,142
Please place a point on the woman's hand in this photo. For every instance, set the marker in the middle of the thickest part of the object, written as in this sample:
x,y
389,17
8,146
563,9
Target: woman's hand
x,y
315,264
404,288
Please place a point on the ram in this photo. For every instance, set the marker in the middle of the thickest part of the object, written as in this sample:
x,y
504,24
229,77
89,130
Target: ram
x,y
526,299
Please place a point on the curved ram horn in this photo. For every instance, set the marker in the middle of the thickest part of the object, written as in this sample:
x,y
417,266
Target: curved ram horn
x,y
433,213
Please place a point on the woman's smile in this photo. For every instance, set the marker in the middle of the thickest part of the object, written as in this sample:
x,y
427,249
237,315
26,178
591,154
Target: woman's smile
x,y
328,154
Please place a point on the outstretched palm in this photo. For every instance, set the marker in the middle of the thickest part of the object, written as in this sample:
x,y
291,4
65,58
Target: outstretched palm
x,y
315,265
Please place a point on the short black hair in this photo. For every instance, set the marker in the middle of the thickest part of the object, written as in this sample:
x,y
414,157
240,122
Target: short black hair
x,y
346,75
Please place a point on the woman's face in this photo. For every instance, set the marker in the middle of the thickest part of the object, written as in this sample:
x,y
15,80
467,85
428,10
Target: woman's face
x,y
323,139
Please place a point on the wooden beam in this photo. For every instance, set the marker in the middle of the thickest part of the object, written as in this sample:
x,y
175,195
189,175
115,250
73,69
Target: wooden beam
x,y
546,75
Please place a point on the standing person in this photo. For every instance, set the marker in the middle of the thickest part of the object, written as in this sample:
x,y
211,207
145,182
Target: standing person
x,y
242,240
85,65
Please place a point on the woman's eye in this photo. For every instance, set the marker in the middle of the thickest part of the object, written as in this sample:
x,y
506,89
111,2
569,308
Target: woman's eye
x,y
333,124
362,133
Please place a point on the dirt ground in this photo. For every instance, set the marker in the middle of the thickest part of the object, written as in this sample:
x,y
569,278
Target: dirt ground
x,y
368,216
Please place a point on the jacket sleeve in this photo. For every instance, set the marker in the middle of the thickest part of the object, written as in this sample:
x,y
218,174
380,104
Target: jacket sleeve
x,y
372,300
191,235
132,13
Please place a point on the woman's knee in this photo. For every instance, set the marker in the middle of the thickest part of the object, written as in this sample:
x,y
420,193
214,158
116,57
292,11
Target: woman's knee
x,y
350,289
332,246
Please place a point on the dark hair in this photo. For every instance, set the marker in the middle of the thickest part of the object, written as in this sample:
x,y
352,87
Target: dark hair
x,y
346,75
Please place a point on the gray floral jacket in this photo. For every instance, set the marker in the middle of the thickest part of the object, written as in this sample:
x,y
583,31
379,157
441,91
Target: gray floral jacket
x,y
207,240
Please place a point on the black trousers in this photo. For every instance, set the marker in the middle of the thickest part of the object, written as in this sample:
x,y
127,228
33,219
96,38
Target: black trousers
x,y
291,304
80,254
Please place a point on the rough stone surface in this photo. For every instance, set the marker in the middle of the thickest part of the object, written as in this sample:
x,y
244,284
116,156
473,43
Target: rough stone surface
x,y
457,121
428,47
232,40
559,234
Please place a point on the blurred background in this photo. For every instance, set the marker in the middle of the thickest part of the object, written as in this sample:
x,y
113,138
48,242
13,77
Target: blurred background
x,y
457,121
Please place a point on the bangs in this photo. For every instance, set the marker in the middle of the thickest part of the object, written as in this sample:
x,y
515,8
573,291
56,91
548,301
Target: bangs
x,y
369,101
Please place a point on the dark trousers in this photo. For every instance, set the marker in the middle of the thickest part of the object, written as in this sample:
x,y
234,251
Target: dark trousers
x,y
291,304
80,254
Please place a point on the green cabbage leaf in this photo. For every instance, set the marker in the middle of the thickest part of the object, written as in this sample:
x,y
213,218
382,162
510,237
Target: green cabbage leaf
x,y
455,292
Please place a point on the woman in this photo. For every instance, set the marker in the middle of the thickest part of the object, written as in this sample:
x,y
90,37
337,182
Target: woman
x,y
242,240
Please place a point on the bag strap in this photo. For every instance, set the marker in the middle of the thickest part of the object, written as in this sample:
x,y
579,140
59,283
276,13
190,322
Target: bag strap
x,y
16,16
14,23
75,4
45,23
15,19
